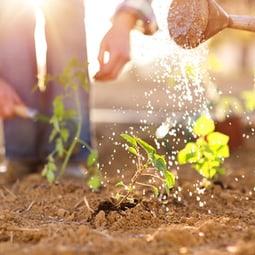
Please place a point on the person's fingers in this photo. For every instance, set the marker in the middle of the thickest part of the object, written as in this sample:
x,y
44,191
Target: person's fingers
x,y
101,54
108,72
111,70
6,110
8,99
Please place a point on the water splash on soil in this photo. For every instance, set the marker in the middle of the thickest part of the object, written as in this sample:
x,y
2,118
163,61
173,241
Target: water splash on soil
x,y
175,97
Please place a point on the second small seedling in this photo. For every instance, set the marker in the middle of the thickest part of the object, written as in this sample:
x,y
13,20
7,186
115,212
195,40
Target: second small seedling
x,y
209,150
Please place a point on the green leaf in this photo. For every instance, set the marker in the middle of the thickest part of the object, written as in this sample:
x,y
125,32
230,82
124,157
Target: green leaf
x,y
120,184
92,158
82,78
215,163
64,133
133,151
55,123
130,188
159,162
193,157
209,153
203,126
58,107
191,71
201,142
49,171
94,182
50,177
223,151
70,113
147,147
189,154
191,147
182,156
131,140
217,138
207,170
59,147
155,190
118,196
249,99
169,180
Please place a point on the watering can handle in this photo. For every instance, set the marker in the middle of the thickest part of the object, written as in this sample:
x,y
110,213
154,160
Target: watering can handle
x,y
246,23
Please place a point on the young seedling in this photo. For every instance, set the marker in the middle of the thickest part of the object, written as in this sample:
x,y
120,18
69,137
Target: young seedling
x,y
249,99
209,150
226,106
149,164
72,77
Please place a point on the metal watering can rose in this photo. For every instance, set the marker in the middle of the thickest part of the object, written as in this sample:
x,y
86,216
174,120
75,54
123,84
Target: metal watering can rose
x,y
191,22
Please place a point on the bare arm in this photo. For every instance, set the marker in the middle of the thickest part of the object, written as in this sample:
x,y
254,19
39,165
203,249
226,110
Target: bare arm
x,y
117,43
117,40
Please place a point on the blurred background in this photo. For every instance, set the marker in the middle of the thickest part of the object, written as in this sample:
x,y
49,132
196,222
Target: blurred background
x,y
154,88
228,56
163,85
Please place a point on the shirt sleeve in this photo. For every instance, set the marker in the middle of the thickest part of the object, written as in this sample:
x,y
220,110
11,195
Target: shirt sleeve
x,y
143,10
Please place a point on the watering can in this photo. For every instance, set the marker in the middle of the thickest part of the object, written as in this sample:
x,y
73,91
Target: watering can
x,y
191,22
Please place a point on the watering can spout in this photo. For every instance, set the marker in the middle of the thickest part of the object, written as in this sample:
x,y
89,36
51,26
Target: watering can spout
x,y
218,19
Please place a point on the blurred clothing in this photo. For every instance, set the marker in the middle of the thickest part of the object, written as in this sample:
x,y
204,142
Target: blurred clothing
x,y
26,140
65,34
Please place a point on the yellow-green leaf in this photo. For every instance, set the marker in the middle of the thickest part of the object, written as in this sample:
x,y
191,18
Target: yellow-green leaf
x,y
203,126
131,140
217,138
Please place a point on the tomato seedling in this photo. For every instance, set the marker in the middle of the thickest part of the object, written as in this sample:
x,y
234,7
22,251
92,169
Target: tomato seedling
x,y
73,76
149,164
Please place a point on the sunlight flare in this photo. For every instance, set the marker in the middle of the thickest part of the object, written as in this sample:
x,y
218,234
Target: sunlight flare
x,y
40,43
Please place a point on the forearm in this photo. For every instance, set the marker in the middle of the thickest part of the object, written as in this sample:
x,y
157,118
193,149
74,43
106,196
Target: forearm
x,y
126,20
142,12
117,40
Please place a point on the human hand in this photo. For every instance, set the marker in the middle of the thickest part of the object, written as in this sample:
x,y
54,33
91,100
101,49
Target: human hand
x,y
116,43
8,100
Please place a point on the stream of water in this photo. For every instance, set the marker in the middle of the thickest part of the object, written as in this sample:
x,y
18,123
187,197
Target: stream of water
x,y
178,95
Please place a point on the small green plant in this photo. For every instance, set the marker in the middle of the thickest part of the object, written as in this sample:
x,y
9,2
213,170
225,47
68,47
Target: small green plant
x,y
249,99
63,119
209,150
148,164
226,106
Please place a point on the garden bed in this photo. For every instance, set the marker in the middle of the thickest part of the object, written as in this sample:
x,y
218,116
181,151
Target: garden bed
x,y
67,218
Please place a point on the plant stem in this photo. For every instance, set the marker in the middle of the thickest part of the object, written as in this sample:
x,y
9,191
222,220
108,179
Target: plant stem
x,y
134,179
76,136
85,144
153,176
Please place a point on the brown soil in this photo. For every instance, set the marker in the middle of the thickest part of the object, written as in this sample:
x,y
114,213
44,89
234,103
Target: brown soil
x,y
67,218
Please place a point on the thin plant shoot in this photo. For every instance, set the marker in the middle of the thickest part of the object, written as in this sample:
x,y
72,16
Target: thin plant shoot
x,y
62,119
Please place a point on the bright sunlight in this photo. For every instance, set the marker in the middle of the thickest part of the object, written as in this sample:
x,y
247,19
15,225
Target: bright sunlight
x,y
97,23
